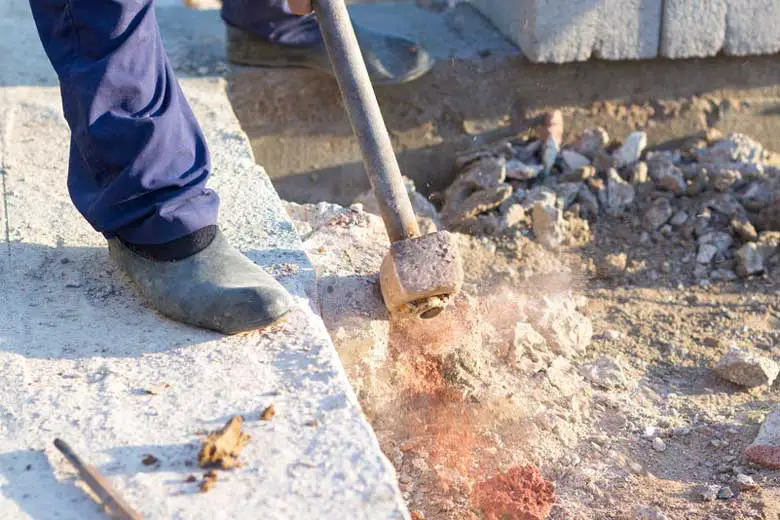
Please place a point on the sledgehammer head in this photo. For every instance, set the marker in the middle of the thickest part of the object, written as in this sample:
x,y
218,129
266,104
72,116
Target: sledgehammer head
x,y
419,276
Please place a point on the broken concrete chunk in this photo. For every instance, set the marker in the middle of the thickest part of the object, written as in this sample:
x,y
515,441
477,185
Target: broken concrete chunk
x,y
666,174
639,173
631,149
574,160
566,330
591,141
742,227
658,214
221,448
548,224
618,195
518,170
734,148
549,154
747,368
720,239
604,372
765,449
706,253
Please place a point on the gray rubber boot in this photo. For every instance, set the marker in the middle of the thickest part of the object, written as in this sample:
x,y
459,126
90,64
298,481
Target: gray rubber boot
x,y
218,288
389,59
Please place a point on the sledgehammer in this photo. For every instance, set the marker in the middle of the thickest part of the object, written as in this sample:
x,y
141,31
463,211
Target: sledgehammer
x,y
420,274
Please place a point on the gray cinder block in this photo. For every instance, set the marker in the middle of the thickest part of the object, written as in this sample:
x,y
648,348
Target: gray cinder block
x,y
559,31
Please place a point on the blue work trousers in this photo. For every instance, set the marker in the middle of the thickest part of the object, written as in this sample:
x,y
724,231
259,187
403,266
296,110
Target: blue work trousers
x,y
138,159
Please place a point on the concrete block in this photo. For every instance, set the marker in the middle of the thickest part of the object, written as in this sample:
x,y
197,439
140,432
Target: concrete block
x,y
752,27
559,31
693,28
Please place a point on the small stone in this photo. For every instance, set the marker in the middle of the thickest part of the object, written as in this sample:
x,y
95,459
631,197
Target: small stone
x,y
721,240
268,413
639,173
149,460
574,160
591,141
588,202
666,174
734,148
521,171
749,260
618,195
765,448
706,253
548,225
725,493
658,213
746,368
631,149
549,154
605,373
567,192
679,218
648,513
659,444
724,179
743,228
726,275
707,492
745,482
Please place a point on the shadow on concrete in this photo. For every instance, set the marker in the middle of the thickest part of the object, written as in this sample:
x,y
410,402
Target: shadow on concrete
x,y
73,303
30,483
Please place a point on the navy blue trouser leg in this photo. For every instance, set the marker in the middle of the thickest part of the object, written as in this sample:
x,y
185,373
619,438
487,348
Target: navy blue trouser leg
x,y
138,159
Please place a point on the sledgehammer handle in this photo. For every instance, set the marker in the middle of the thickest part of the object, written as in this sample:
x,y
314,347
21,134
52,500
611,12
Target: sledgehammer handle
x,y
366,118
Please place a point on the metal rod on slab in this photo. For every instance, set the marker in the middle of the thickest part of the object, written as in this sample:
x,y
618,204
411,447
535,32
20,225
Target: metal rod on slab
x,y
366,118
116,507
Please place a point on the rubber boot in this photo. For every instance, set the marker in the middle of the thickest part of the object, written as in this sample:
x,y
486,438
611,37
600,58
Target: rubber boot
x,y
218,288
389,59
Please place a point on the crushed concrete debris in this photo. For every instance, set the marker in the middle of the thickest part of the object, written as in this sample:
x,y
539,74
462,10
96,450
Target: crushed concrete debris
x,y
718,197
747,368
222,448
745,483
765,448
520,493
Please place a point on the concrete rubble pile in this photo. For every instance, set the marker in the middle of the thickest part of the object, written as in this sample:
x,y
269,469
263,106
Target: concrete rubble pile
x,y
717,195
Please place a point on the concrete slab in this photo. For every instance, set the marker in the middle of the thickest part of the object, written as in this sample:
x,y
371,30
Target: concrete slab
x,y
752,27
560,31
693,28
78,348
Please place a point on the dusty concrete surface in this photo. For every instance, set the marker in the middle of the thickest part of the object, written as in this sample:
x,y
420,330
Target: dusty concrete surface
x,y
298,129
83,358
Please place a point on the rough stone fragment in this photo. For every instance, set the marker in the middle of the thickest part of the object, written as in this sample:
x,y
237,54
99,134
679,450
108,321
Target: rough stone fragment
x,y
566,330
659,444
548,224
746,368
591,141
561,376
679,218
720,239
588,202
765,448
749,260
549,154
742,227
639,173
693,28
605,373
613,265
725,493
567,192
522,171
222,447
666,174
476,203
737,148
707,492
658,214
631,149
574,160
745,483
724,179
618,195
706,253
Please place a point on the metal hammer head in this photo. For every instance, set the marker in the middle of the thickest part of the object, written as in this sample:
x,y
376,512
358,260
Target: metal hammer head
x,y
419,276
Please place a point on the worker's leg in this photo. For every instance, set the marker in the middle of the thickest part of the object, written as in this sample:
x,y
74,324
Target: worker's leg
x,y
263,32
139,164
